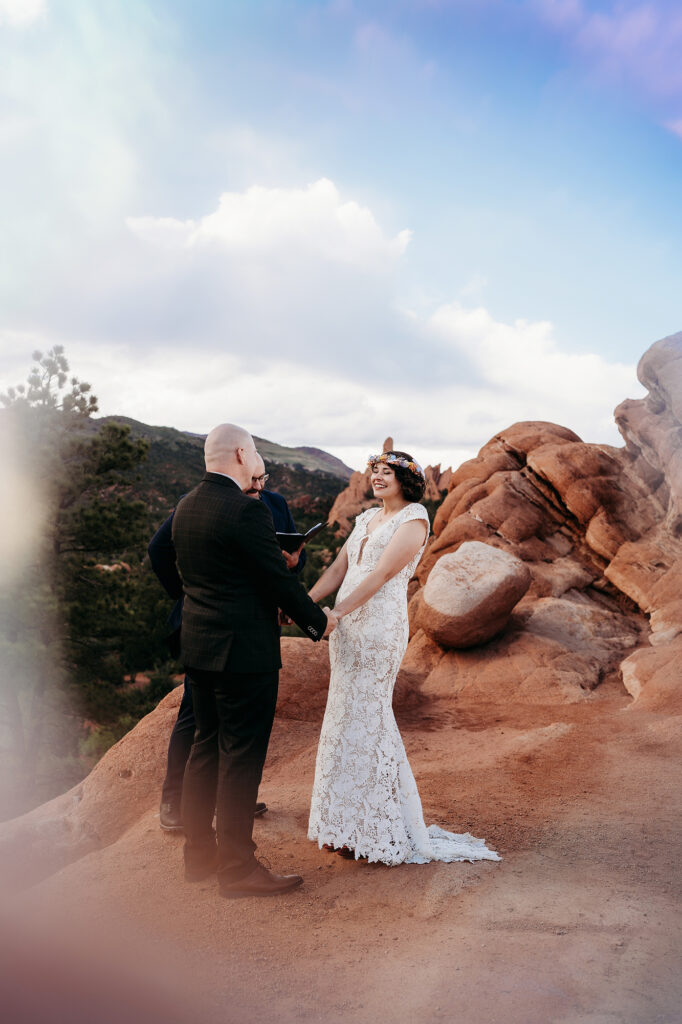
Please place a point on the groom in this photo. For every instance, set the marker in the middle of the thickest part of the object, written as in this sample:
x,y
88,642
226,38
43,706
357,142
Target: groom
x,y
235,578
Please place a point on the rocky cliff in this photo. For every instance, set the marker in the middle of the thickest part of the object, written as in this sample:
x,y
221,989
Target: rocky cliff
x,y
599,530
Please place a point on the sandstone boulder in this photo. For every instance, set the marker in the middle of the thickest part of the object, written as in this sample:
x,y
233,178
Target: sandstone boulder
x,y
421,657
652,676
470,595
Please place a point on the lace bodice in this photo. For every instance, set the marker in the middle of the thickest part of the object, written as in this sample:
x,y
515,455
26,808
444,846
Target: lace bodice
x,y
364,551
364,795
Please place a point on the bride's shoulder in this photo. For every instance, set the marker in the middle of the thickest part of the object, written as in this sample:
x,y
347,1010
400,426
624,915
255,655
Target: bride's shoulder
x,y
415,510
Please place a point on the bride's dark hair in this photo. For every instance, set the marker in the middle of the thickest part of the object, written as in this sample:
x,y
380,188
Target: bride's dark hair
x,y
412,484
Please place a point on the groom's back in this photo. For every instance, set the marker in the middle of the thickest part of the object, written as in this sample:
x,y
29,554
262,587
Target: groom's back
x,y
229,618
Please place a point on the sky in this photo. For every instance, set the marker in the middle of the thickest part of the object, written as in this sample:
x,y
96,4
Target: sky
x,y
335,221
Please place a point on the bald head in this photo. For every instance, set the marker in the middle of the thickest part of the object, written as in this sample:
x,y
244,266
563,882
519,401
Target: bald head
x,y
230,449
257,480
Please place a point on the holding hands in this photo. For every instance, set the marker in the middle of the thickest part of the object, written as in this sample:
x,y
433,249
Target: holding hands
x,y
332,622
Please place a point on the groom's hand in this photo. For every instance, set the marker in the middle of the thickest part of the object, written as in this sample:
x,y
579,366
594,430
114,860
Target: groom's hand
x,y
332,622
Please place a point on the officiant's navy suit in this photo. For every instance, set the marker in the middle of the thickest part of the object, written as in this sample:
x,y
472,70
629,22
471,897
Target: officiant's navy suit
x,y
163,559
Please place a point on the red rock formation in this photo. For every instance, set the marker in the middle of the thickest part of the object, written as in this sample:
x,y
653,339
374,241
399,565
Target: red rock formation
x,y
600,530
350,502
436,482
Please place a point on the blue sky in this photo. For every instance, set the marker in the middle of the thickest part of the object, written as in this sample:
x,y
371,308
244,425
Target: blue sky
x,y
334,221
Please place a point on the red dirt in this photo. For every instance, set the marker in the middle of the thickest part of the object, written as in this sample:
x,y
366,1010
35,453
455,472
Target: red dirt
x,y
577,923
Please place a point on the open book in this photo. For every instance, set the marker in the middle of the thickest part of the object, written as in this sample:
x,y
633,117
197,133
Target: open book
x,y
292,541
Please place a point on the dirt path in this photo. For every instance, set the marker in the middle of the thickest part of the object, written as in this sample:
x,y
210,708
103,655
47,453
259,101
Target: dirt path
x,y
579,922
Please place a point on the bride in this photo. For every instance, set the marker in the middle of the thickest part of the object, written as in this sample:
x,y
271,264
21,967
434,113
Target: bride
x,y
365,801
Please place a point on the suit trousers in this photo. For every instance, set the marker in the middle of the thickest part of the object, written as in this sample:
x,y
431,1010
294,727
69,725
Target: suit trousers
x,y
179,747
234,712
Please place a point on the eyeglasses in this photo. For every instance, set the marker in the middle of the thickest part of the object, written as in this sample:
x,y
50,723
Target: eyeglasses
x,y
260,479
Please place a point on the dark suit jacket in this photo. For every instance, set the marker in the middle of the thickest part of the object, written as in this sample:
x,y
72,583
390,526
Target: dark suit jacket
x,y
162,557
234,580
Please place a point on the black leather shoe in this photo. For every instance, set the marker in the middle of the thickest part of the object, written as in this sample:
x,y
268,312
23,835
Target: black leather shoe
x,y
261,808
260,882
169,818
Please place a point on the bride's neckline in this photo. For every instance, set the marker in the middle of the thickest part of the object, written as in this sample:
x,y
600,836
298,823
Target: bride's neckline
x,y
386,520
368,532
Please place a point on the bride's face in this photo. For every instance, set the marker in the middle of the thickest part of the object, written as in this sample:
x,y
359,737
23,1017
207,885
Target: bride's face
x,y
384,482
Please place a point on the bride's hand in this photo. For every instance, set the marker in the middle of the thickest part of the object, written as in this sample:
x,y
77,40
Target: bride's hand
x,y
332,622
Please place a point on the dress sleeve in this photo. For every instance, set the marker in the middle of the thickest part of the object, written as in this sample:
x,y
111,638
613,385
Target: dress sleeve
x,y
416,511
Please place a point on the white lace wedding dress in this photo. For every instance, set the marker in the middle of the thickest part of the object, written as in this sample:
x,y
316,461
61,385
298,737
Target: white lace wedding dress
x,y
364,794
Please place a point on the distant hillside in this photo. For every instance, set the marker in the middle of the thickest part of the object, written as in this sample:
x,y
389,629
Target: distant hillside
x,y
308,478
312,459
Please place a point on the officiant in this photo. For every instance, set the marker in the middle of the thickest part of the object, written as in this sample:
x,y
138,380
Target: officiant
x,y
162,557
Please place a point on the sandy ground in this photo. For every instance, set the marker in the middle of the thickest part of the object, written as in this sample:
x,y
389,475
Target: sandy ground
x,y
579,922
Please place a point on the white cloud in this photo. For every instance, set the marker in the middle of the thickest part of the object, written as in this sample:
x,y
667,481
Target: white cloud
x,y
280,310
525,374
20,13
525,356
515,372
305,273
314,221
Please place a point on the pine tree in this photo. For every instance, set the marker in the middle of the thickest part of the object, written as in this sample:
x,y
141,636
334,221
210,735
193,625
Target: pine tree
x,y
78,613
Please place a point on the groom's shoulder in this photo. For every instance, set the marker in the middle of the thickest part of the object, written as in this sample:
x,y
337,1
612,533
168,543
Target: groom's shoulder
x,y
211,494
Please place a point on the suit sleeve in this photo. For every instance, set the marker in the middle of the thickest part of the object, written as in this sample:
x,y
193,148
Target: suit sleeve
x,y
291,528
259,543
161,552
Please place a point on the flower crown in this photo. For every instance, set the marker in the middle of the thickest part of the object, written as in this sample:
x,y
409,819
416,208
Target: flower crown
x,y
397,460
